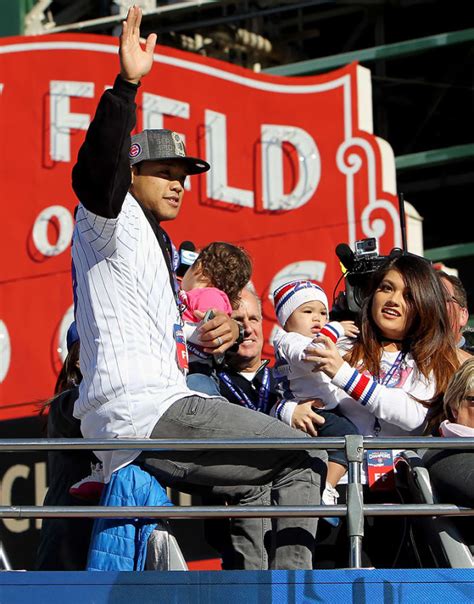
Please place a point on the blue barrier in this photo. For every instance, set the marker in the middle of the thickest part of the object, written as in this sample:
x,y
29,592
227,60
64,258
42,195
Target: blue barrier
x,y
265,587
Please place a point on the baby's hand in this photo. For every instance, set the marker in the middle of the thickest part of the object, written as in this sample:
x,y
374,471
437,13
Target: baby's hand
x,y
350,329
306,418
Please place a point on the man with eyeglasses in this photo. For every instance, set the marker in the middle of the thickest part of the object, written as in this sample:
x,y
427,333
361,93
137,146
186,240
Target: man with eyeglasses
x,y
456,303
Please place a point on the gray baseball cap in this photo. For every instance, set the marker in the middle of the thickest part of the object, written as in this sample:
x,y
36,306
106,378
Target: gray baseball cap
x,y
156,145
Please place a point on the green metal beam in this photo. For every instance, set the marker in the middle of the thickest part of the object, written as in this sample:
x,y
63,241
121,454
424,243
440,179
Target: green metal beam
x,y
449,252
452,252
387,51
434,157
13,13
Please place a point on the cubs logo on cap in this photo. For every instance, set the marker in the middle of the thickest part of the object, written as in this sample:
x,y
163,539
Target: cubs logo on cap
x,y
135,150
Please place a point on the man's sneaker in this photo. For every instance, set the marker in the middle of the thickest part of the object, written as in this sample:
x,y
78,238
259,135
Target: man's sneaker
x,y
90,488
330,497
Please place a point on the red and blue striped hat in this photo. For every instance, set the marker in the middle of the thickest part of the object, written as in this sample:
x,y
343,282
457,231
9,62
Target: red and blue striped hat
x,y
289,296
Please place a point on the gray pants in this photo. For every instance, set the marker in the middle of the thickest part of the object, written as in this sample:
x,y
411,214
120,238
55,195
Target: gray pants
x,y
245,477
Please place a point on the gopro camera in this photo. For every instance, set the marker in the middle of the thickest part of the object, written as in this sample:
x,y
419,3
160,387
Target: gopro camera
x,y
366,248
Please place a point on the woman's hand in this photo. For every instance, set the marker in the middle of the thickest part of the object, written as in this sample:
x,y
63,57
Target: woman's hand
x,y
304,418
327,360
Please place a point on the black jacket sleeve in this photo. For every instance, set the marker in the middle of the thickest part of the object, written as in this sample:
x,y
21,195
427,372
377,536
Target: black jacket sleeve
x,y
101,176
61,421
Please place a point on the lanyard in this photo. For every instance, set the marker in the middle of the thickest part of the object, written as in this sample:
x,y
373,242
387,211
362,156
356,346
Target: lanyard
x,y
182,300
197,351
243,398
173,260
391,372
170,254
386,381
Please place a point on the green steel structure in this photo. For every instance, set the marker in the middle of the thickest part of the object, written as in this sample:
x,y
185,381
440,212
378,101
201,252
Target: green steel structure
x,y
12,16
377,53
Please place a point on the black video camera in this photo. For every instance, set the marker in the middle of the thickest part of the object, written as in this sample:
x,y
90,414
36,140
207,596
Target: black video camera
x,y
360,266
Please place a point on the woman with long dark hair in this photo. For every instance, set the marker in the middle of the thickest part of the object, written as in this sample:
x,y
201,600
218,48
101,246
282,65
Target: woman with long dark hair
x,y
392,381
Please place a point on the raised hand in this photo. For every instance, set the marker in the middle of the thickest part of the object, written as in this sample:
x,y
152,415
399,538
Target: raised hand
x,y
134,61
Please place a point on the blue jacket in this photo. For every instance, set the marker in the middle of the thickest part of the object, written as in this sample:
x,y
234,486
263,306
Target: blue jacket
x,y
120,543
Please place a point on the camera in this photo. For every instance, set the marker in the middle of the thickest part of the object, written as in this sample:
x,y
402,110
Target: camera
x,y
360,266
366,248
366,260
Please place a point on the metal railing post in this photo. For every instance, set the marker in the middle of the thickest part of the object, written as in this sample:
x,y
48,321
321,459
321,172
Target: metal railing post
x,y
355,499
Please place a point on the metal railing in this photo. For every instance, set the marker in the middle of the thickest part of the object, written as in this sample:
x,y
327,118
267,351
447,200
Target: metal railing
x,y
355,509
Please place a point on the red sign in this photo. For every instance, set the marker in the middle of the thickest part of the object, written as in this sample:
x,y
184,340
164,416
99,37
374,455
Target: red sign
x,y
380,470
295,171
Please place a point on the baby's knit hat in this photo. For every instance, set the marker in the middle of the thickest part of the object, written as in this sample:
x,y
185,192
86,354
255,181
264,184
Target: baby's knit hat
x,y
289,296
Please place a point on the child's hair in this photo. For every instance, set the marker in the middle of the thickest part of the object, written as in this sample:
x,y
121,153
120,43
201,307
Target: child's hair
x,y
227,267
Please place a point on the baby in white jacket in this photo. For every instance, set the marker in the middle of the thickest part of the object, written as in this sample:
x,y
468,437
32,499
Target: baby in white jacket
x,y
302,311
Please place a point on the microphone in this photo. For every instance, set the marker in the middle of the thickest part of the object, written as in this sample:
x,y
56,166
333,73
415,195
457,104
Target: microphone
x,y
187,256
346,256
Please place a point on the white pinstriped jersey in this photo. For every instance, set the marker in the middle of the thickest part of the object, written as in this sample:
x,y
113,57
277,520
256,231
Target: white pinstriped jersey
x,y
125,314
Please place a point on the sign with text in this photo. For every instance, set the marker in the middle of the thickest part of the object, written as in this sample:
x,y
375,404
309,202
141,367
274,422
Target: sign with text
x,y
296,170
